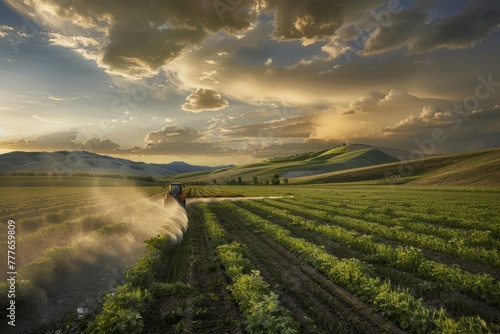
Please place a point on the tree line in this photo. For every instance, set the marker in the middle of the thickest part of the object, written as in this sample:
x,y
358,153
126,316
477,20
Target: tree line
x,y
274,180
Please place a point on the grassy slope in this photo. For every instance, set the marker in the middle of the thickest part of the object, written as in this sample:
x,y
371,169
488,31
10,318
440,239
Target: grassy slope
x,y
473,168
312,163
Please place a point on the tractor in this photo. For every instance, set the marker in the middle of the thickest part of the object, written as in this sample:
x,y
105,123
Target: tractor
x,y
175,193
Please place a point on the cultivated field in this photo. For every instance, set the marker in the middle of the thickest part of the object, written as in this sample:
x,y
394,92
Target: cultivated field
x,y
321,259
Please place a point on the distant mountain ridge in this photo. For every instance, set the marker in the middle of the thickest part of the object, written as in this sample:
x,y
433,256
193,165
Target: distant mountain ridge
x,y
71,162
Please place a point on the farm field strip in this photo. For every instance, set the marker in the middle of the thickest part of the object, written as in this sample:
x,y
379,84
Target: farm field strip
x,y
315,302
260,306
207,276
488,257
440,212
398,304
408,259
408,220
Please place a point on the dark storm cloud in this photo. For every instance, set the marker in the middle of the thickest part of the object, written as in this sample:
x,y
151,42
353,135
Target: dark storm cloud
x,y
314,19
139,37
460,31
137,50
411,29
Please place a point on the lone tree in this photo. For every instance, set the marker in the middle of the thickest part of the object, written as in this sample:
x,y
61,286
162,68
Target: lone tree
x,y
276,179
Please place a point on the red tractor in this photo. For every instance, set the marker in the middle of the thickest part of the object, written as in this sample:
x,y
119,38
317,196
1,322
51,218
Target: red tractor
x,y
175,193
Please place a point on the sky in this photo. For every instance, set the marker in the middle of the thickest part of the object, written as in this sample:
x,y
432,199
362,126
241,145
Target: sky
x,y
238,81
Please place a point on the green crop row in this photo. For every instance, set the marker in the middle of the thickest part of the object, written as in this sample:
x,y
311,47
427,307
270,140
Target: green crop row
x,y
453,247
216,232
397,304
453,209
409,221
408,259
260,307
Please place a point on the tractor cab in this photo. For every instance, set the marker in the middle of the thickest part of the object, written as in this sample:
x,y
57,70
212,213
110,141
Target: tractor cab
x,y
175,188
175,192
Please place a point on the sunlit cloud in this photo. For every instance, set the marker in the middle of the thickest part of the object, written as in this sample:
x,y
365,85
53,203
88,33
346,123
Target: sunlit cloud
x,y
204,99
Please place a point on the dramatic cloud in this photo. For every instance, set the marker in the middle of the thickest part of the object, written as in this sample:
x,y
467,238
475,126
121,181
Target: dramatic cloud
x,y
204,99
5,30
172,134
59,140
430,115
99,146
170,140
142,51
175,140
412,28
461,31
376,101
313,20
136,38
435,130
291,127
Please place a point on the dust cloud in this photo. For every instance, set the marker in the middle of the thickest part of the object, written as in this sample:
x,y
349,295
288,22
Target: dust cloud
x,y
91,264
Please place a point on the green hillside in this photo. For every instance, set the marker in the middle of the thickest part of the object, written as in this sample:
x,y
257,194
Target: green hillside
x,y
471,168
308,164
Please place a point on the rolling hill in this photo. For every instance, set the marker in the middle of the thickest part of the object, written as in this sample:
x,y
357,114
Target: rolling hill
x,y
86,162
472,168
313,163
